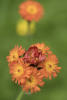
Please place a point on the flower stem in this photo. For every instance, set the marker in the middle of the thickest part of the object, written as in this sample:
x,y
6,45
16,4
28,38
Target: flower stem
x,y
20,95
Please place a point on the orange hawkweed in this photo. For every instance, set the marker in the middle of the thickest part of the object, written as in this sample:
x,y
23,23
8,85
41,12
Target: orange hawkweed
x,y
29,67
34,81
19,71
31,10
50,66
15,53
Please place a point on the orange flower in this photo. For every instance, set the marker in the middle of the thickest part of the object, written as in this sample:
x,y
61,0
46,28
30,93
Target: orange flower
x,y
15,54
50,66
41,46
33,83
30,67
19,72
31,10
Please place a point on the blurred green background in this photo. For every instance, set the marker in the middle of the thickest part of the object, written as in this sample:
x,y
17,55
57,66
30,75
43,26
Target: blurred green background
x,y
52,30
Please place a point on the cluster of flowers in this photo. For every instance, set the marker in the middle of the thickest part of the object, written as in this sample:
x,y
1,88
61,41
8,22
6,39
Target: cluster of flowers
x,y
29,67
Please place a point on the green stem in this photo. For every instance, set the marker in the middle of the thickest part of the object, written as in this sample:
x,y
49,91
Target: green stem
x,y
20,95
29,28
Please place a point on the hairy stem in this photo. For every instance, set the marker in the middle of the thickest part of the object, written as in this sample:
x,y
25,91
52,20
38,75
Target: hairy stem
x,y
20,95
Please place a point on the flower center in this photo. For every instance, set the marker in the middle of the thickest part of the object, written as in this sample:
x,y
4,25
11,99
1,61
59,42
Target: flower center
x,y
32,9
50,67
14,56
19,71
31,81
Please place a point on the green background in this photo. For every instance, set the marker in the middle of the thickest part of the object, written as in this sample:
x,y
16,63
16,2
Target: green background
x,y
52,30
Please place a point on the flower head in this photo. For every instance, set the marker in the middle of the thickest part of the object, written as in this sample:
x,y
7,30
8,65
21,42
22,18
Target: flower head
x,y
15,54
50,66
19,71
31,10
34,81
